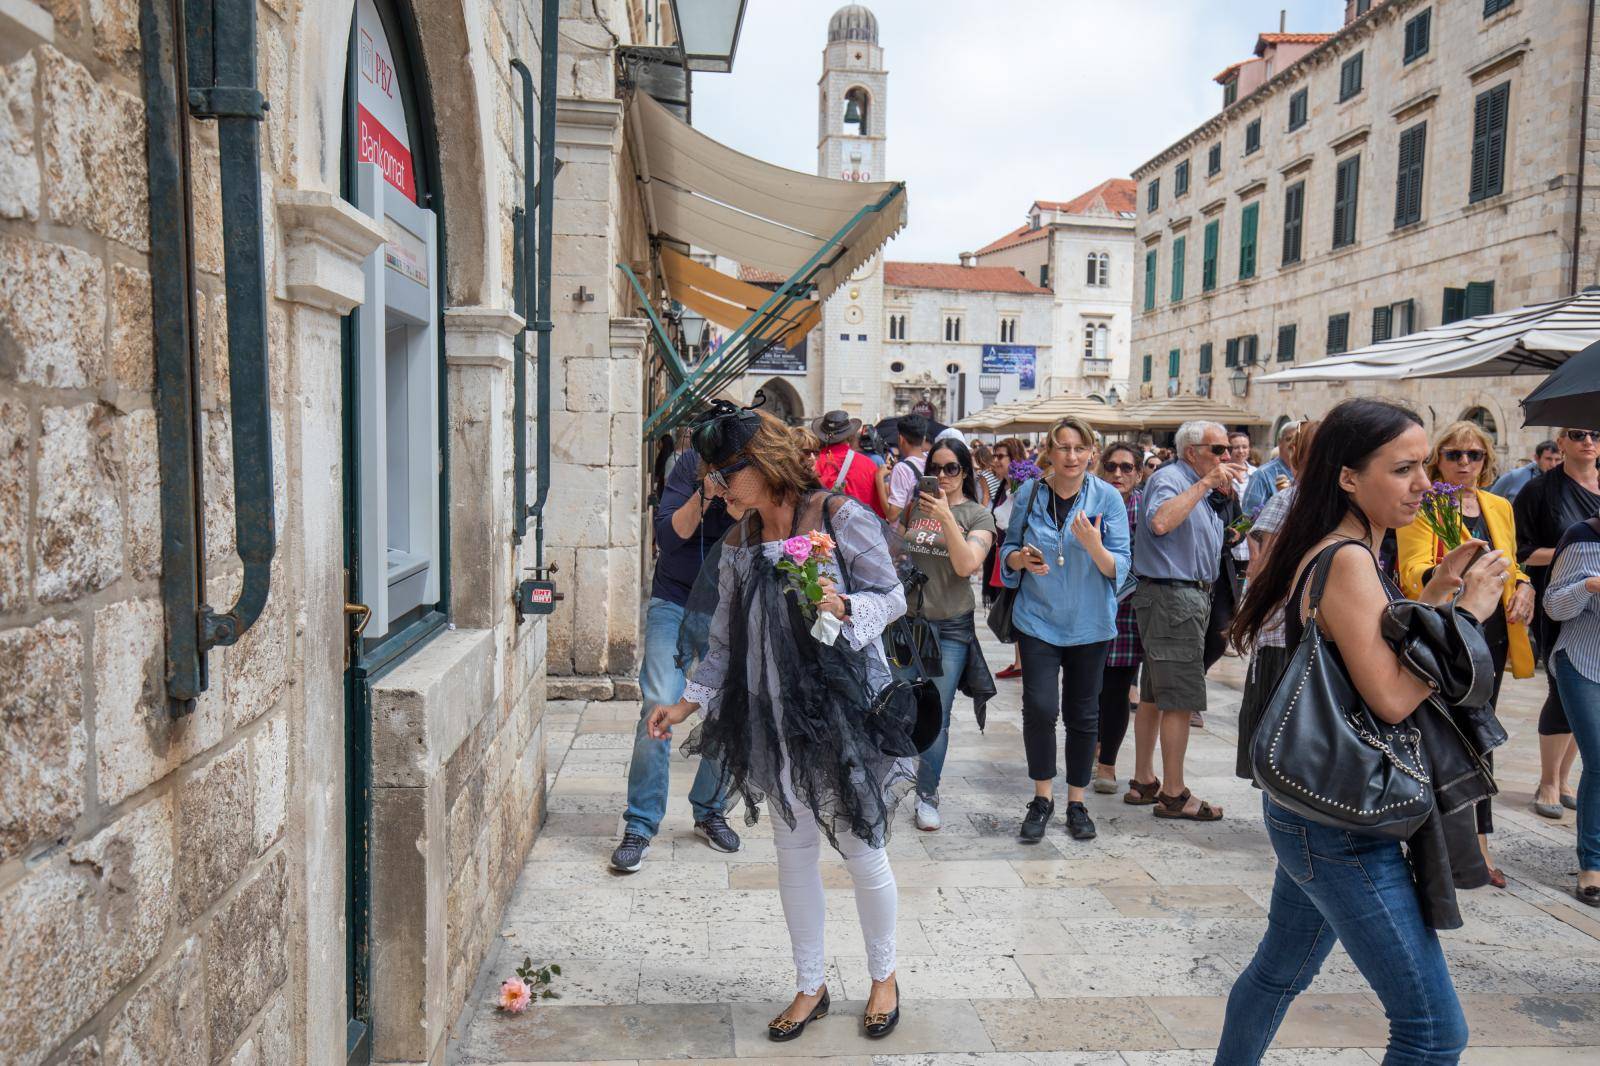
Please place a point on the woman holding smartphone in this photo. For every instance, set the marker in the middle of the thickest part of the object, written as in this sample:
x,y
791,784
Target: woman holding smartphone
x,y
1463,455
948,533
1066,551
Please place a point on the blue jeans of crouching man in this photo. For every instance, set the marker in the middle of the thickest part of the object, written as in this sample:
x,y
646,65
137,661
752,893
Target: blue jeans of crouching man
x,y
661,683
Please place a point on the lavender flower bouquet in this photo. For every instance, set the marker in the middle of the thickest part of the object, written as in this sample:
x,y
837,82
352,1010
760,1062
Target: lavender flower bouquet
x,y
1441,513
1022,470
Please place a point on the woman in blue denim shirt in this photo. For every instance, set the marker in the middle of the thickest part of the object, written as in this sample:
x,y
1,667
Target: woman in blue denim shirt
x,y
1069,534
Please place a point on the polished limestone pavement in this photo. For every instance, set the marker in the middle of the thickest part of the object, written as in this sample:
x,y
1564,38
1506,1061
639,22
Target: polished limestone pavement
x,y
1118,952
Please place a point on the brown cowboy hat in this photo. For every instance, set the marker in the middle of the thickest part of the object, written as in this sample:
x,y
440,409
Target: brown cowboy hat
x,y
835,426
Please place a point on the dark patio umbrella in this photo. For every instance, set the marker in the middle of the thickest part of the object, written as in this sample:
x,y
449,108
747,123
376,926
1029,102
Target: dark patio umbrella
x,y
889,429
1570,396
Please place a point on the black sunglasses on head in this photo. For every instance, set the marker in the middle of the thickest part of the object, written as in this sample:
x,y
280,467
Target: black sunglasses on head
x,y
1455,455
1579,436
947,469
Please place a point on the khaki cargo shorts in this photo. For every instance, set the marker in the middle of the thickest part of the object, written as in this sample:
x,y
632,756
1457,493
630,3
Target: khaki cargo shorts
x,y
1172,628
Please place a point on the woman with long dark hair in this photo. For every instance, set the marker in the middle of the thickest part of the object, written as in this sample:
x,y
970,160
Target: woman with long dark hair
x,y
947,537
1365,475
785,713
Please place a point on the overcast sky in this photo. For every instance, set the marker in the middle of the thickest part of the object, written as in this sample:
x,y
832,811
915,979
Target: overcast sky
x,y
996,103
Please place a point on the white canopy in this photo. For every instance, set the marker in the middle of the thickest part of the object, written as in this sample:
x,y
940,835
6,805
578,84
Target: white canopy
x,y
703,193
1530,340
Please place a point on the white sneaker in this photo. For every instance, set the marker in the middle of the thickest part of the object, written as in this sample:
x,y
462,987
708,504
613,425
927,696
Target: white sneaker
x,y
927,816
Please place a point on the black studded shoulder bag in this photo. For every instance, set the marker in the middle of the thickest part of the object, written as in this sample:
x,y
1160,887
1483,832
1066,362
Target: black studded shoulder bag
x,y
1320,752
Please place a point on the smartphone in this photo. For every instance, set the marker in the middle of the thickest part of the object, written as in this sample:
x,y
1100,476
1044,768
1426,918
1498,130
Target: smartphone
x,y
1029,549
928,484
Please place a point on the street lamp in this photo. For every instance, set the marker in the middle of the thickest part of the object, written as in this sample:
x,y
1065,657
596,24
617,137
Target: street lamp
x,y
1240,382
708,32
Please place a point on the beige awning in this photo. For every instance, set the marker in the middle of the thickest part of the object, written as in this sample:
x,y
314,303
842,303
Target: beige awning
x,y
1176,410
1040,415
702,193
730,302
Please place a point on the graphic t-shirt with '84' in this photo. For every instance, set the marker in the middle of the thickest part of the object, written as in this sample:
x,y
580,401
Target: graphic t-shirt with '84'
x,y
947,594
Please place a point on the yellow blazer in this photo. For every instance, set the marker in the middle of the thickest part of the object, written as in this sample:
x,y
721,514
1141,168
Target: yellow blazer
x,y
1420,551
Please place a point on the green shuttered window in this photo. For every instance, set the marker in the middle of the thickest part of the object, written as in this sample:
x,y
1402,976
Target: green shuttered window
x,y
1248,221
1179,248
1208,266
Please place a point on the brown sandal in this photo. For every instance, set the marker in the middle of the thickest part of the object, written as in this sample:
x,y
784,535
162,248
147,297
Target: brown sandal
x,y
1142,795
1172,807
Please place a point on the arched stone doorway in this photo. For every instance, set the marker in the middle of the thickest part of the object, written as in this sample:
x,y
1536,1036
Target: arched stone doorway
x,y
783,402
1484,419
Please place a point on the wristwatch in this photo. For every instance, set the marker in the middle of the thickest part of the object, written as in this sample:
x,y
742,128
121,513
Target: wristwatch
x,y
846,600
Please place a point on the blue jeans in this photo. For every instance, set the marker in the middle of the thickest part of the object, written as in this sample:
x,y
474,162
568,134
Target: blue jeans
x,y
661,683
1334,885
930,765
1580,698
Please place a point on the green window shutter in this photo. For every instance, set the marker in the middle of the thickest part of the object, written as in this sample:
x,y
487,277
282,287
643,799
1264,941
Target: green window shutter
x,y
1248,350
1479,298
1489,116
1152,199
1147,360
1455,306
1150,280
1205,358
1382,322
1338,333
1286,338
1174,362
1179,247
1294,205
1247,240
1408,181
1230,352
1346,195
1208,267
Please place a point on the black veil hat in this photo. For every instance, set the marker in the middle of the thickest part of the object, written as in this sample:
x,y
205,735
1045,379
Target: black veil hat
x,y
725,430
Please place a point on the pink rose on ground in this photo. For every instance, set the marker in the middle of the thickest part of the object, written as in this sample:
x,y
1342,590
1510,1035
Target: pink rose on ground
x,y
798,549
514,995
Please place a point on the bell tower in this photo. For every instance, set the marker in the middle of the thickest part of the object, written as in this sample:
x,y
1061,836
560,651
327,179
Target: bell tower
x,y
852,98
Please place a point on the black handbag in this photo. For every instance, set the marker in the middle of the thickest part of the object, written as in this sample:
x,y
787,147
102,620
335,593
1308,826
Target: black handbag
x,y
1320,752
1005,600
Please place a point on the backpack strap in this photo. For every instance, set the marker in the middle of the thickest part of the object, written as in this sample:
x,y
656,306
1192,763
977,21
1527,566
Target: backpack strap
x,y
844,468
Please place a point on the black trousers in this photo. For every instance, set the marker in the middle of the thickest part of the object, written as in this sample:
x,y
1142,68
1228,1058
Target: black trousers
x,y
1266,667
1486,813
1114,684
1222,604
1077,670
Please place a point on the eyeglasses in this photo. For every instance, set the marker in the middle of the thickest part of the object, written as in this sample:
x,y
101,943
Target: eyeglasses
x,y
1471,455
1217,449
1118,468
812,452
719,478
1579,436
945,469
1072,449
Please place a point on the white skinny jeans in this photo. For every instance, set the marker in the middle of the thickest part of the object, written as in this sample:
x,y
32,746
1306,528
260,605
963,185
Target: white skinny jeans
x,y
805,906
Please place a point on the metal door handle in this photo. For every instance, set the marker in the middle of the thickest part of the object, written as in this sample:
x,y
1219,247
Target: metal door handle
x,y
361,609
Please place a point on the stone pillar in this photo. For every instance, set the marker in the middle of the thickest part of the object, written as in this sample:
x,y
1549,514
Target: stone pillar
x,y
325,242
594,507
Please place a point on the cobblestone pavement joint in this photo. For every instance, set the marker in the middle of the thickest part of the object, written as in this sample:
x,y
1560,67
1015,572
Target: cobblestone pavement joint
x,y
1116,952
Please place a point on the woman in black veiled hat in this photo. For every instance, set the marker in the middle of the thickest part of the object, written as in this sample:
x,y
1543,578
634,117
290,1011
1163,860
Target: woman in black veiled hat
x,y
793,720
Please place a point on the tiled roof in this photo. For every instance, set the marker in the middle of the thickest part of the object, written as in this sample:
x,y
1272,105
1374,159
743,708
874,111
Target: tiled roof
x,y
1117,196
757,276
1023,234
1229,71
957,277
1288,38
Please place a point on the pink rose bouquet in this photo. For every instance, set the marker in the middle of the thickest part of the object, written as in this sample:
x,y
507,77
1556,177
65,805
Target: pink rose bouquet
x,y
801,567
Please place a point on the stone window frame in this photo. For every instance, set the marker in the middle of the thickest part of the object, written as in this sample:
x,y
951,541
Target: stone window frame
x,y
1486,138
954,324
1286,342
1417,37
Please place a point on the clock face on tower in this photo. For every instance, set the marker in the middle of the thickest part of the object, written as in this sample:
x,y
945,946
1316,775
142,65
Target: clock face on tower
x,y
852,314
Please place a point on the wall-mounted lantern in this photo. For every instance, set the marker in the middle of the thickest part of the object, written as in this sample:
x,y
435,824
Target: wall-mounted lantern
x,y
708,32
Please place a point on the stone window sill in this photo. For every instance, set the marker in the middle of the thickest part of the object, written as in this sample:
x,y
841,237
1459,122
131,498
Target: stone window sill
x,y
429,703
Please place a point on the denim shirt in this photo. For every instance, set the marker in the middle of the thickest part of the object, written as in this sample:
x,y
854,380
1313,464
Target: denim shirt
x,y
1074,603
1263,484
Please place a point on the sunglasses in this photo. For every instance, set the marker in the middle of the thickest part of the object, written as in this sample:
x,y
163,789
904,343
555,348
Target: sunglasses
x,y
1152,463
1217,449
1118,468
945,469
719,478
1579,436
1471,455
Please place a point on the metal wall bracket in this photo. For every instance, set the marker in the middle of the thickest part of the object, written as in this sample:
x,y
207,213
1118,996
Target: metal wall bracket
x,y
199,59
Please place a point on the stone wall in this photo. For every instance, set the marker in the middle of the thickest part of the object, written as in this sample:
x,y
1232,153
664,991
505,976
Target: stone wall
x,y
1520,239
172,888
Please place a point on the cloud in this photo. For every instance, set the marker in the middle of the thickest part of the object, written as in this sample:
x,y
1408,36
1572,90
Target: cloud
x,y
993,104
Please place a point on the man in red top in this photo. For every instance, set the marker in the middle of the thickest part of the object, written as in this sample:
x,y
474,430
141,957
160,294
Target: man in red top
x,y
840,466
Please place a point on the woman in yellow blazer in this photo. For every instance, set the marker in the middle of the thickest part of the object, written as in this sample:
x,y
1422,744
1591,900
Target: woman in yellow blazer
x,y
1463,455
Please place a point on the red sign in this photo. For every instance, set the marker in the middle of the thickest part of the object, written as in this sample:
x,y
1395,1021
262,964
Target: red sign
x,y
375,144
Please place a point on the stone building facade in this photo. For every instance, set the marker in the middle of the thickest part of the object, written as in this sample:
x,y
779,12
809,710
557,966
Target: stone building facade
x,y
1420,165
1082,251
312,856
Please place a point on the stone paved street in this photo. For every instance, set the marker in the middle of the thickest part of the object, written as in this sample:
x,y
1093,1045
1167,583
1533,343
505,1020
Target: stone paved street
x,y
1119,951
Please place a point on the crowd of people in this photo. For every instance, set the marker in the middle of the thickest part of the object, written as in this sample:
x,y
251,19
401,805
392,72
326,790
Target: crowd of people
x,y
1121,572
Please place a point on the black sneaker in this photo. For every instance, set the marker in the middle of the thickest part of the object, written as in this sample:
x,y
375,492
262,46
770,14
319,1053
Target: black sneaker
x,y
1037,818
630,854
1079,824
714,827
